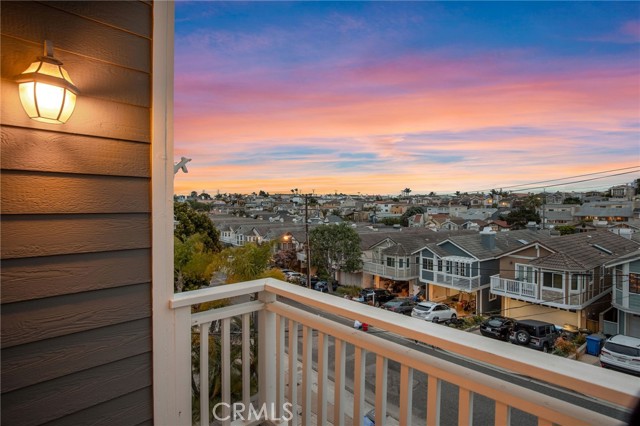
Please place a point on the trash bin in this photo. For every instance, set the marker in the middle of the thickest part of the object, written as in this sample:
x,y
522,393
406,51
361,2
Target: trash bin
x,y
593,344
365,327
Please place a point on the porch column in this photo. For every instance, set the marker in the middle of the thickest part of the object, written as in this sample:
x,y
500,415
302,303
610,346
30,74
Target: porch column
x,y
267,349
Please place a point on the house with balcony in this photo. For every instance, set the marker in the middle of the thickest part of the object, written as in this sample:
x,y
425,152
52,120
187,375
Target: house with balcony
x,y
623,317
458,268
562,280
92,332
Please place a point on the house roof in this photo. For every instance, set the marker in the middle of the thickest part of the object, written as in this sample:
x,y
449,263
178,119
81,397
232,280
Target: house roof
x,y
584,251
505,241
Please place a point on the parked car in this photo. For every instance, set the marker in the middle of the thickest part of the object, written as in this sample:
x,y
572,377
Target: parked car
x,y
377,296
535,334
370,418
621,353
323,286
400,305
497,326
432,311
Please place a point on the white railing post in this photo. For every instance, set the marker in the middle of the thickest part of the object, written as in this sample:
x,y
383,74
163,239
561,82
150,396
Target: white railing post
x,y
267,352
182,391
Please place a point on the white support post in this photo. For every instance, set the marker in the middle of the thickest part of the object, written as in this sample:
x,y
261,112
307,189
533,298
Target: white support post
x,y
339,378
381,389
182,367
323,365
406,394
359,389
433,401
246,360
226,369
204,374
465,407
280,369
307,378
267,351
293,370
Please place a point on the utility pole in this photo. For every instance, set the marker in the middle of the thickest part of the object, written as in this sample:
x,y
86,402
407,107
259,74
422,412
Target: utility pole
x,y
306,232
544,202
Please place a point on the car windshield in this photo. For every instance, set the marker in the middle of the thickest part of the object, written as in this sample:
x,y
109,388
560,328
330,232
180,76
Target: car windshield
x,y
495,322
394,303
621,349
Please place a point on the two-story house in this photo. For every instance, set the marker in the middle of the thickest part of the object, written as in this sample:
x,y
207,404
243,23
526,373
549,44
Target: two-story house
x,y
561,279
624,315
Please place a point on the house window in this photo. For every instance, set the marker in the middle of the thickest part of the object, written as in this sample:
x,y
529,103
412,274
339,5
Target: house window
x,y
525,273
427,264
552,280
439,265
391,261
448,266
401,263
634,283
492,297
578,282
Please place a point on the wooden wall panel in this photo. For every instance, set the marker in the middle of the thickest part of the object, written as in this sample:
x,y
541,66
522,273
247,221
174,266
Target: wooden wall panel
x,y
34,236
131,409
94,78
92,116
42,151
76,392
28,322
37,278
129,15
28,193
38,362
66,31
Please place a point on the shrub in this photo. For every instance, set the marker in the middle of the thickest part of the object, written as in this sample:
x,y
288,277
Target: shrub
x,y
564,347
349,290
580,340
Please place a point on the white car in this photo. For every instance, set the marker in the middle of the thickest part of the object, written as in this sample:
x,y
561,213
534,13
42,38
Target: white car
x,y
621,353
436,312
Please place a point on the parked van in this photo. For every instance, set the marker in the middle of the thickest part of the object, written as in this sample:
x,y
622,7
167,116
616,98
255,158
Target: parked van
x,y
622,353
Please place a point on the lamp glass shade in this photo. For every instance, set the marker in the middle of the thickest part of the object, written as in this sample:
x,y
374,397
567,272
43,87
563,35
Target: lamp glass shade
x,y
46,92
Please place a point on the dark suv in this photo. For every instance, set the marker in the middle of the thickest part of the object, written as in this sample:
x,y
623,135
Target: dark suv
x,y
534,334
377,296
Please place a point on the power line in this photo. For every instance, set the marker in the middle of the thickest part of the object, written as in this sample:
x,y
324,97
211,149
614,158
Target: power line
x,y
572,177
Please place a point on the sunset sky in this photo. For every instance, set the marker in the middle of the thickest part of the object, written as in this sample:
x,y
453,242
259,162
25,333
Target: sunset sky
x,y
375,97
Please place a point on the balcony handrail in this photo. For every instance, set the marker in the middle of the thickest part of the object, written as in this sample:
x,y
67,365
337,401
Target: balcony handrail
x,y
613,388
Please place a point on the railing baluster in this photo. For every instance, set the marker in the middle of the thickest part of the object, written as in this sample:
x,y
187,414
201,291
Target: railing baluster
x,y
503,414
204,374
433,401
339,376
381,389
359,365
226,369
406,394
465,407
267,351
280,355
323,352
293,370
307,346
246,360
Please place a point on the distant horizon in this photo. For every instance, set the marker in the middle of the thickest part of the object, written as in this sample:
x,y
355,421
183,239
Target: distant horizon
x,y
375,97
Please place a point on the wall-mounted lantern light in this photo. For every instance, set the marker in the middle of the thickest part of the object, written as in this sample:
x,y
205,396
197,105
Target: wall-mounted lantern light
x,y
46,91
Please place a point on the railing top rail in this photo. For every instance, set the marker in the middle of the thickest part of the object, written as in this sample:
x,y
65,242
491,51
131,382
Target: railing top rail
x,y
602,384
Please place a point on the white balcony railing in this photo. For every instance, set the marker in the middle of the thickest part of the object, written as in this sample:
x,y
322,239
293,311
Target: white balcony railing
x,y
287,336
456,281
513,288
390,271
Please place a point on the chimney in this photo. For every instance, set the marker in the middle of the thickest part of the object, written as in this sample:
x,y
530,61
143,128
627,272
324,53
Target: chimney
x,y
488,238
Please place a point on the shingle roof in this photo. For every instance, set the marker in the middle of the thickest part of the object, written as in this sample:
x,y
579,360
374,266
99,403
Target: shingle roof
x,y
505,241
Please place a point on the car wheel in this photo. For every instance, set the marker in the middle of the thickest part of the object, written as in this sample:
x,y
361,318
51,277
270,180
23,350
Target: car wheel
x,y
377,304
522,337
453,317
435,320
545,348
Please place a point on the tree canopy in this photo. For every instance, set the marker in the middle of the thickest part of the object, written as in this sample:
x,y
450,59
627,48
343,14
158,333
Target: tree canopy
x,y
190,222
519,218
245,263
411,211
335,247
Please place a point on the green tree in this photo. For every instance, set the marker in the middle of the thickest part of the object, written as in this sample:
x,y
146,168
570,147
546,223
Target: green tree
x,y
245,263
572,200
191,263
406,191
519,218
335,248
190,222
390,221
566,229
411,211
